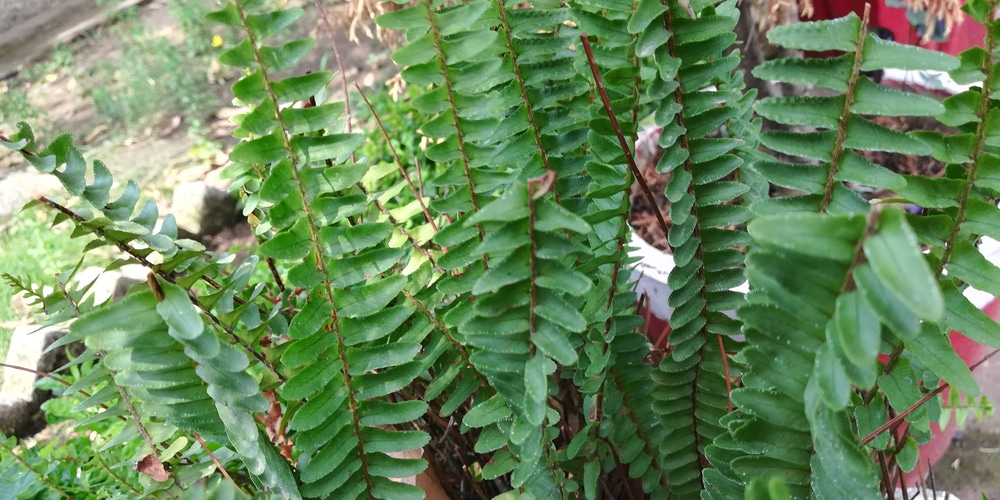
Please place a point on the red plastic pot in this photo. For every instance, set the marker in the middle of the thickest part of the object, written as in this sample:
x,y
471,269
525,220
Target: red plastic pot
x,y
965,35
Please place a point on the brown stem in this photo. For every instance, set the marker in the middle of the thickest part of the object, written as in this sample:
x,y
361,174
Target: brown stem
x,y
46,375
699,254
275,274
902,483
399,163
529,109
532,263
725,373
895,421
399,227
460,136
621,136
420,178
340,60
444,331
217,464
69,298
886,475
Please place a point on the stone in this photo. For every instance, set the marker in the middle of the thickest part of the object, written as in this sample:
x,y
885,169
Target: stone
x,y
22,303
20,400
203,210
214,178
18,188
110,284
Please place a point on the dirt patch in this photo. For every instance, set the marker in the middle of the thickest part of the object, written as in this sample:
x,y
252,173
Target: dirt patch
x,y
909,164
644,219
145,155
971,467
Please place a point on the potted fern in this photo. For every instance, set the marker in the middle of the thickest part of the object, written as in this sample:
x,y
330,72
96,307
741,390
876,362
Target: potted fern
x,y
483,326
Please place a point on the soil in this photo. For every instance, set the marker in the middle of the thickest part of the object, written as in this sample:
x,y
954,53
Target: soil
x,y
164,154
644,220
908,164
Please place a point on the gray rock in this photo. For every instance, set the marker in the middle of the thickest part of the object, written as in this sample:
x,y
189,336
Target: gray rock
x,y
20,401
18,188
110,284
203,210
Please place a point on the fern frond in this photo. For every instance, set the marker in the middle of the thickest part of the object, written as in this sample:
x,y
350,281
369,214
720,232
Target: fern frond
x,y
691,392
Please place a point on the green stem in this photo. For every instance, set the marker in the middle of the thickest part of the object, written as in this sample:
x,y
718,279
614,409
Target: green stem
x,y
333,324
436,35
116,477
845,116
977,148
170,279
39,475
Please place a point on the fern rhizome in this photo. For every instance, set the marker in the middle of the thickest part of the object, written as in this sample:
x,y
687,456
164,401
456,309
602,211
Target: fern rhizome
x,y
484,323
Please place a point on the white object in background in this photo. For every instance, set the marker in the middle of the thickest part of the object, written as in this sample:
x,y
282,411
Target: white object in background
x,y
930,80
915,494
650,276
990,249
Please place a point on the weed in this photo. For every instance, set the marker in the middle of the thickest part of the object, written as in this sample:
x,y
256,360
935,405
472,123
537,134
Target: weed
x,y
155,77
59,61
16,105
32,247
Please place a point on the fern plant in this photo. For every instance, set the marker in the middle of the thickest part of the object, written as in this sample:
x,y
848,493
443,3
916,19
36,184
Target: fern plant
x,y
480,321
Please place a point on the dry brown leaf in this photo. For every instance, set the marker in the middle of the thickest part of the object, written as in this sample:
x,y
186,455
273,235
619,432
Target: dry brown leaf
x,y
426,480
94,133
950,11
272,425
152,467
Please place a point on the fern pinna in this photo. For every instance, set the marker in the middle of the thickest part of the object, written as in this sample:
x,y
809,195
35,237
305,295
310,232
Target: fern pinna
x,y
489,311
832,292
